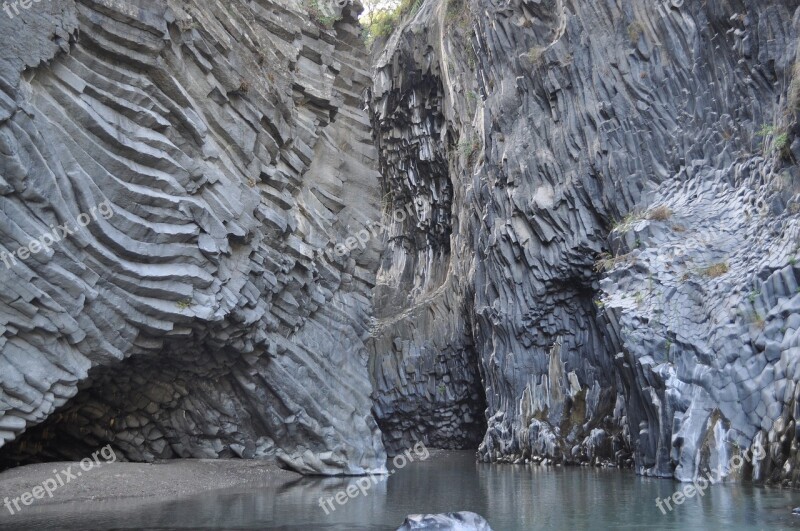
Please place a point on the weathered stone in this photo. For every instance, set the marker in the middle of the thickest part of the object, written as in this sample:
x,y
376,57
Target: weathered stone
x,y
227,142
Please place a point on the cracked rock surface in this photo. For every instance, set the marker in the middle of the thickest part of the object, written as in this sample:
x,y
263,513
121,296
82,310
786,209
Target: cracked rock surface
x,y
574,231
209,315
655,142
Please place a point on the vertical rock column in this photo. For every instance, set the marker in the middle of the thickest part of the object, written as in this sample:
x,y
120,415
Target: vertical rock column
x,y
424,363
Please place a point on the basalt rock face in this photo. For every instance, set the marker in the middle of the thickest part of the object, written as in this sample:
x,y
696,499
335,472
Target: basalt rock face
x,y
209,315
556,119
425,365
580,246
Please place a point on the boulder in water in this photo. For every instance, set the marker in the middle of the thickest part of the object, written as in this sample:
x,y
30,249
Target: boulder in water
x,y
460,521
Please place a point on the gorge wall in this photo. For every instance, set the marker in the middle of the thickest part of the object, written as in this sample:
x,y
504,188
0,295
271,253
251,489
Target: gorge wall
x,y
622,225
209,315
576,223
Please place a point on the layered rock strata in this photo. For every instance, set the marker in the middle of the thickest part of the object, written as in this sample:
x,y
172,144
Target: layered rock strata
x,y
209,315
654,141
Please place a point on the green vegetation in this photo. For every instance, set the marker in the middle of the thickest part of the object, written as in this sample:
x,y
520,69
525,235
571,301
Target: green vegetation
x,y
184,304
318,15
472,57
794,88
457,13
780,140
626,223
381,22
469,146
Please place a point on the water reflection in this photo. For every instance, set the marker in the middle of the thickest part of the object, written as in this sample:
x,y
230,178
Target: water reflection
x,y
510,497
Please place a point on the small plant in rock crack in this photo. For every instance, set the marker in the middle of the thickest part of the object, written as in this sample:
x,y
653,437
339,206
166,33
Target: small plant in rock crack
x,y
607,261
794,88
626,223
716,270
469,146
458,13
442,388
659,213
780,140
320,14
635,31
752,296
535,55
472,57
184,304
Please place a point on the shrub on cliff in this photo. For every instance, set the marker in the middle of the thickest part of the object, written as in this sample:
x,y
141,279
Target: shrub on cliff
x,y
381,17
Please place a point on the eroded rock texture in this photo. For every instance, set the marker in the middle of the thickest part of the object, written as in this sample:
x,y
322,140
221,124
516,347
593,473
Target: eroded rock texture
x,y
209,316
425,369
587,251
557,119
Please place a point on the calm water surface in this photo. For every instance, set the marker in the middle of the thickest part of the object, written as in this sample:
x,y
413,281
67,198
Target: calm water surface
x,y
511,498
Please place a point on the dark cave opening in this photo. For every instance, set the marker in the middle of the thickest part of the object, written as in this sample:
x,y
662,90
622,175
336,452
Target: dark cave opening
x,y
184,404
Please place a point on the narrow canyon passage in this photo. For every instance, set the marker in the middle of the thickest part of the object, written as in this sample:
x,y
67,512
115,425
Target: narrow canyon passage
x,y
344,237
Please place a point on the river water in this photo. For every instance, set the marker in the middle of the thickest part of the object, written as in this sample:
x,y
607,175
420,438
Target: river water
x,y
510,497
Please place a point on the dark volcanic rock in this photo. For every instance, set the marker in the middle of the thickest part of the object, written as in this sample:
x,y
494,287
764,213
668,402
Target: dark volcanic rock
x,y
209,315
581,245
556,120
425,370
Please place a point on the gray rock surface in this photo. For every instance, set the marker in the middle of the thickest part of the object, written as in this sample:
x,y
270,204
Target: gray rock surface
x,y
426,372
210,315
654,141
460,521
580,247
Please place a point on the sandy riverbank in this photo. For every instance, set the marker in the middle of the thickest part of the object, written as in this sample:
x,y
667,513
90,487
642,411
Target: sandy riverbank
x,y
122,480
